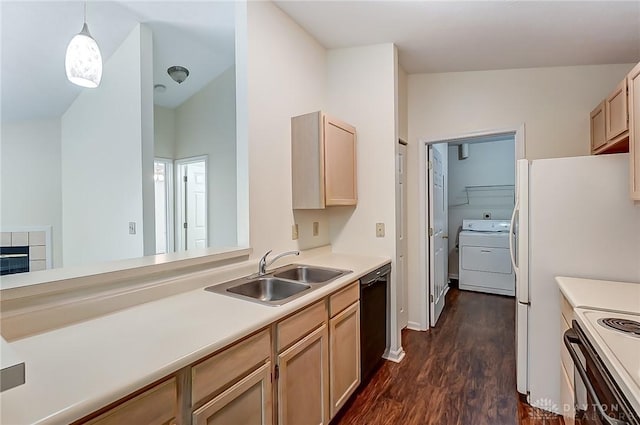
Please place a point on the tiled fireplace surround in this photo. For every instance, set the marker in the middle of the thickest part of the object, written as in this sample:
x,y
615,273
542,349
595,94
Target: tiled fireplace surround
x,y
36,239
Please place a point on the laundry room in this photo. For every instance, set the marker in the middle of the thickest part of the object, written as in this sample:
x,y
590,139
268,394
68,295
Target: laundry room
x,y
480,200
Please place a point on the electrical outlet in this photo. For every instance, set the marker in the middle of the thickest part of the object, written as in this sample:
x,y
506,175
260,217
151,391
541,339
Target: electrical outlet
x,y
486,216
316,228
294,232
132,227
379,230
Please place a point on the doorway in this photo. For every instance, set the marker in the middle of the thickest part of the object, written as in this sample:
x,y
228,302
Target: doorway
x,y
447,199
191,203
163,190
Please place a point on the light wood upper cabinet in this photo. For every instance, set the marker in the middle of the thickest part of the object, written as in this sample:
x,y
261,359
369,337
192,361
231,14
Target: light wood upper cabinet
x,y
616,112
598,137
323,162
633,82
610,123
246,402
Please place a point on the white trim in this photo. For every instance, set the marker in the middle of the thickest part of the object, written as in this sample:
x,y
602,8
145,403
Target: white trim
x,y
48,240
520,151
415,326
395,356
169,205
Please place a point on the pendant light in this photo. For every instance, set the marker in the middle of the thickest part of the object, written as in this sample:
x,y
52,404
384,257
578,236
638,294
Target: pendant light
x,y
83,61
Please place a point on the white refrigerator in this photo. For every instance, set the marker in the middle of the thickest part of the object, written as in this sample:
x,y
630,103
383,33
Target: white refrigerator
x,y
573,217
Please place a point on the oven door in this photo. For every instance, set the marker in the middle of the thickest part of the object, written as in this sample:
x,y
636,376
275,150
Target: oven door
x,y
598,400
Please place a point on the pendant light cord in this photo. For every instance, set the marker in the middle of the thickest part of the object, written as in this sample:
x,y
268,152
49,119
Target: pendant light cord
x,y
85,12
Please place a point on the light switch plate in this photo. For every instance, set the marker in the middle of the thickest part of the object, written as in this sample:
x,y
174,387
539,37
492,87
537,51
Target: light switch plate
x,y
294,232
379,230
316,228
132,227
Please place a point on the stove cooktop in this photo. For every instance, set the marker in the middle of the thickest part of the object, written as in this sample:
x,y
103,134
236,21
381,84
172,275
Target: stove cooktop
x,y
616,339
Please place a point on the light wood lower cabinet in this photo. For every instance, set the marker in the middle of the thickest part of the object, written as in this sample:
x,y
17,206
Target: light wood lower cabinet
x,y
303,382
317,369
344,357
248,402
156,406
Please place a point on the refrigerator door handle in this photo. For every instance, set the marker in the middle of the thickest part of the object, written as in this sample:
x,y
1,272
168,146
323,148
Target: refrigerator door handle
x,y
516,209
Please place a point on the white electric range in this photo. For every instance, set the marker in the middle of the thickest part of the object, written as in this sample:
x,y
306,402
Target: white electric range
x,y
617,342
607,344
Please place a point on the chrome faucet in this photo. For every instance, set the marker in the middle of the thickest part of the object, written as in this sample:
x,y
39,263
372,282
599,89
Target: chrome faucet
x,y
263,264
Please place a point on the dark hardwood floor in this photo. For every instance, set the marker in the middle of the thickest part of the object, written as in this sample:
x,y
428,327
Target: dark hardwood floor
x,y
460,373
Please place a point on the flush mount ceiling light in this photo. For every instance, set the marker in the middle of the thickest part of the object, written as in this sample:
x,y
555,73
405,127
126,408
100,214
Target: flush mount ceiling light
x,y
178,73
160,88
83,61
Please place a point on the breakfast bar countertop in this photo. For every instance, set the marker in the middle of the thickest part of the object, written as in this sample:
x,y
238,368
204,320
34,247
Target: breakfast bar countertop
x,y
78,369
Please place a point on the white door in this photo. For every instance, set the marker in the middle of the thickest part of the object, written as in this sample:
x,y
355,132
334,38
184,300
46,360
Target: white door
x,y
163,184
437,230
192,203
401,236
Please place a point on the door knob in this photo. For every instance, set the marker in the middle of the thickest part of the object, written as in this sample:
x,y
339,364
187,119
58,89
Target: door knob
x,y
445,236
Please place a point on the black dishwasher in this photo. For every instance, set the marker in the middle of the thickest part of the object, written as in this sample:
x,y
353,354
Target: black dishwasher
x,y
373,319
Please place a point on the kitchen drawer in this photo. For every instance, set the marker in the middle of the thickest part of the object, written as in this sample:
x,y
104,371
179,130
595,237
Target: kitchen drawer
x,y
566,308
216,372
300,324
159,405
344,298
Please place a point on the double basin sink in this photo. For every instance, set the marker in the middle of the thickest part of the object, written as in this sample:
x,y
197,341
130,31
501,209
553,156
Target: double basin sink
x,y
279,286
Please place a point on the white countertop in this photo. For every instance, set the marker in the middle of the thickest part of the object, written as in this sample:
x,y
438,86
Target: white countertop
x,y
601,294
75,370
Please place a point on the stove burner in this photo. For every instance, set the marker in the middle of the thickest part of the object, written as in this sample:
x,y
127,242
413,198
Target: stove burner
x,y
622,325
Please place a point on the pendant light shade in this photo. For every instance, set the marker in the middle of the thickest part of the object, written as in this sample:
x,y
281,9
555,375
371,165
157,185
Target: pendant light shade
x,y
83,61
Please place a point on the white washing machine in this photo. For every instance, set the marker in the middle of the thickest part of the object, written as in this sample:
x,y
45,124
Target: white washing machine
x,y
485,262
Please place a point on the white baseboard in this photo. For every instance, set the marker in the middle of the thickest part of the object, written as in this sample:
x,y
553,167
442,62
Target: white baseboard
x,y
415,326
394,356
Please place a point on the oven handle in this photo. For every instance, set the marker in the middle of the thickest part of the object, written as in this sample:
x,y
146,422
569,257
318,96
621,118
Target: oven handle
x,y
571,337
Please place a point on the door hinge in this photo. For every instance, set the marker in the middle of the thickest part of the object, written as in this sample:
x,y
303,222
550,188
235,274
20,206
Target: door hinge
x,y
430,164
184,179
277,372
430,298
185,225
430,231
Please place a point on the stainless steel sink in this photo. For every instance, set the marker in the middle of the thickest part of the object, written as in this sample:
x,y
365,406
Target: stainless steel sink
x,y
264,289
268,289
280,286
309,274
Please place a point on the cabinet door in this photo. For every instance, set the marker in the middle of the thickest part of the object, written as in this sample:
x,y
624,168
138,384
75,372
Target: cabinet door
x,y
303,384
634,130
248,402
344,360
615,112
598,137
339,163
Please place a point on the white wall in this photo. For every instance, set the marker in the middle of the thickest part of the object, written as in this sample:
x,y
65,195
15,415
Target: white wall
x,y
206,125
101,163
553,103
361,91
30,178
286,74
489,163
164,122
